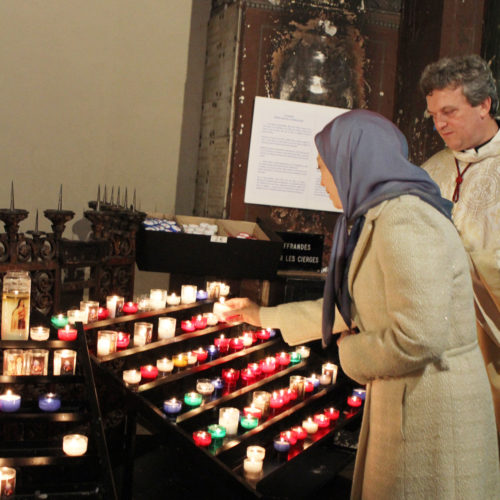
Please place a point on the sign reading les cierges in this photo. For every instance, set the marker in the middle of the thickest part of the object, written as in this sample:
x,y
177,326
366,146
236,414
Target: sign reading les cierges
x,y
301,251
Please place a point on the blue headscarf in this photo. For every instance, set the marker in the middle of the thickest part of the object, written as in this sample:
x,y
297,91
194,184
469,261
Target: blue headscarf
x,y
368,158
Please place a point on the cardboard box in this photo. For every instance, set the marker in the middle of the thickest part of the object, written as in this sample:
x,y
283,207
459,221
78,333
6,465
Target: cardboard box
x,y
222,255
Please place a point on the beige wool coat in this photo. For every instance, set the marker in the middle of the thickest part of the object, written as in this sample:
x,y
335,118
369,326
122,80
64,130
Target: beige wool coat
x,y
428,429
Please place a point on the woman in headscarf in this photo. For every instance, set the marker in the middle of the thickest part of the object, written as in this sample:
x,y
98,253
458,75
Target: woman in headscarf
x,y
399,273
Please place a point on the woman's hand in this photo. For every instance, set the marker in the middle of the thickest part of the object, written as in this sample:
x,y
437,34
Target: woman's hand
x,y
243,309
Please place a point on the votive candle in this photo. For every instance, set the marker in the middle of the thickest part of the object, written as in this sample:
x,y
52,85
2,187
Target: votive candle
x,y
75,445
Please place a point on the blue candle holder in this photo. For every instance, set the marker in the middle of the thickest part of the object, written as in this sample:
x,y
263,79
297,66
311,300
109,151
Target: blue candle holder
x,y
218,384
172,408
49,402
9,402
213,352
201,295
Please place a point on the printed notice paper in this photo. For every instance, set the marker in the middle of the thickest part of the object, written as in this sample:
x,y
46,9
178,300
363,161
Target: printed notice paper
x,y
282,162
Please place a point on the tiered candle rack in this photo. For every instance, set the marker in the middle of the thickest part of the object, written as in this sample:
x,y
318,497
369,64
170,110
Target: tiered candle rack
x,y
31,439
146,403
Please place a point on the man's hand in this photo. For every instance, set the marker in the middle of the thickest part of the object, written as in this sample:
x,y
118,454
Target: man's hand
x,y
243,309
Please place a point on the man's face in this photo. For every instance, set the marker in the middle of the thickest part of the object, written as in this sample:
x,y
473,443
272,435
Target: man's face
x,y
460,125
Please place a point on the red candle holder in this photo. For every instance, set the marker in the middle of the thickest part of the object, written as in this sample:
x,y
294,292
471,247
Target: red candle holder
x,y
199,322
299,431
202,438
187,326
354,401
67,333
283,359
201,354
122,340
230,376
102,313
222,343
332,413
255,369
309,386
252,411
268,365
149,372
290,436
292,394
130,307
247,376
263,335
322,420
236,344
276,402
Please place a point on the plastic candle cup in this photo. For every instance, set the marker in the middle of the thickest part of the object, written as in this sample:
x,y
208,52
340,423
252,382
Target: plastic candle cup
x,y
300,432
330,369
236,344
248,422
149,372
201,354
188,294
295,357
211,318
130,307
304,351
187,326
172,407
166,327
212,352
192,359
199,322
229,418
132,378
180,361
222,344
252,467
114,304
202,438
67,333
10,402
64,362
256,452
308,386
75,445
36,361
252,411
7,482
102,313
143,333
201,295
220,308
157,298
290,436
255,367
310,426
218,433
285,395
322,420
59,321
39,333
261,400
325,379
106,342
332,413
218,384
276,402
298,385
230,376
281,445
359,392
268,365
165,366
173,299
264,335
49,402
92,307
13,362
193,399
247,339
291,394
314,379
247,376
205,388
283,359
122,340
354,401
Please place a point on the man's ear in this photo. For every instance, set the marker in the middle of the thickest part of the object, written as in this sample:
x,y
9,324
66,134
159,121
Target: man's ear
x,y
485,107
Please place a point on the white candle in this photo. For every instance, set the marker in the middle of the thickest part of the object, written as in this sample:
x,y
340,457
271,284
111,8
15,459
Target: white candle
x,y
166,327
212,319
157,298
165,365
39,333
188,294
75,445
330,369
220,308
7,482
310,426
229,418
173,300
256,452
103,346
304,351
132,377
252,466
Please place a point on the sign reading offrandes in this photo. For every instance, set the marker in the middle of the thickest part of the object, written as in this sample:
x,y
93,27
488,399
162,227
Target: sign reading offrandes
x,y
301,251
